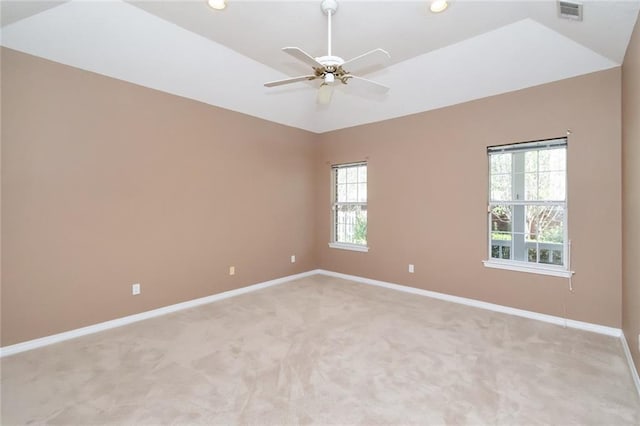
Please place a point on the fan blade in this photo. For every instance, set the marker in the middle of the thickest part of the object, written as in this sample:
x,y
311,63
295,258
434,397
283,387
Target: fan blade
x,y
290,80
369,59
303,56
363,83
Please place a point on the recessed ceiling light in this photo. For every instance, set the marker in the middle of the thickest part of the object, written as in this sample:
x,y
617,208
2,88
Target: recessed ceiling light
x,y
217,4
438,6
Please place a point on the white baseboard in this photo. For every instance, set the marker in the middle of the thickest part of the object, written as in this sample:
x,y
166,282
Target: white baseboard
x,y
72,334
60,337
632,366
596,328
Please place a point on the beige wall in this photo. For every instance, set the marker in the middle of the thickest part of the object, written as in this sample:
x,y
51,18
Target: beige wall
x,y
427,197
105,184
631,194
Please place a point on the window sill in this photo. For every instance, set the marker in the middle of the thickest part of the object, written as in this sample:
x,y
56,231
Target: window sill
x,y
352,247
511,266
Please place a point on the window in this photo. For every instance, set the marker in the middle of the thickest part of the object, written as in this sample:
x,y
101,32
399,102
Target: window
x,y
349,208
527,210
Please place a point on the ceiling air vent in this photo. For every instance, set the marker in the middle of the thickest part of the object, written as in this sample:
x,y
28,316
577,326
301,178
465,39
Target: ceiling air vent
x,y
570,10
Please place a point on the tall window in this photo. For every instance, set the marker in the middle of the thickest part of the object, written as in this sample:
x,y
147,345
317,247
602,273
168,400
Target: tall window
x,y
349,209
528,206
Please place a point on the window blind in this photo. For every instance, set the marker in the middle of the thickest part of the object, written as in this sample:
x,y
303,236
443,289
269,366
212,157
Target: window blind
x,y
528,146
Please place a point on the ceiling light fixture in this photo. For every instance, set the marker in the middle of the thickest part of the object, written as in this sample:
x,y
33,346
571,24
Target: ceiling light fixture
x,y
217,4
324,94
326,89
438,6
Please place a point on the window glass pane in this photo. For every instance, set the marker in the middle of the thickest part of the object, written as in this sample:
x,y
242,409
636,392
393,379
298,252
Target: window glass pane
x,y
501,249
344,218
500,236
544,186
551,186
558,159
545,224
551,225
501,245
352,192
362,192
502,231
550,254
552,160
544,255
341,233
362,174
531,161
557,182
500,187
360,231
352,224
342,175
553,255
341,193
544,160
352,174
500,163
530,186
501,219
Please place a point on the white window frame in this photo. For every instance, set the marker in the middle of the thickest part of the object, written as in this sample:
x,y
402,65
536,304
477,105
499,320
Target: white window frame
x,y
335,204
519,265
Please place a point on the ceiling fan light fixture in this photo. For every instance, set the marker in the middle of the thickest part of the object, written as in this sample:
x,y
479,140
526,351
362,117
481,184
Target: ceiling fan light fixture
x,y
329,78
217,4
329,68
438,6
324,94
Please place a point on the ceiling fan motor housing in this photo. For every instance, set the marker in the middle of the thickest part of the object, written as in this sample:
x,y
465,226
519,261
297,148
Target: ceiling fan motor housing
x,y
329,6
330,60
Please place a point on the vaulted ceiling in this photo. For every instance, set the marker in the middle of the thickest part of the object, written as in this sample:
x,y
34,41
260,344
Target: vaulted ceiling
x,y
472,50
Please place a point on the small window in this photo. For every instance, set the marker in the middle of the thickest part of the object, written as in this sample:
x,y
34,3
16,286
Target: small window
x,y
527,211
349,207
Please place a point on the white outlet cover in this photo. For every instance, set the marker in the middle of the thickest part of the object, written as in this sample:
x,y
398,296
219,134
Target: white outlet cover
x,y
293,258
411,269
135,289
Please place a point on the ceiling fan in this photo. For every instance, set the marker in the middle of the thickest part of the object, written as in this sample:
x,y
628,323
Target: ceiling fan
x,y
333,69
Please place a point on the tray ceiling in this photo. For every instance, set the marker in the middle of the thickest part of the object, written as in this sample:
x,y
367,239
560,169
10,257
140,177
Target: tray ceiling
x,y
473,50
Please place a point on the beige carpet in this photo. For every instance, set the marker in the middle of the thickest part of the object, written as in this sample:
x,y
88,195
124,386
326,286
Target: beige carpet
x,y
325,351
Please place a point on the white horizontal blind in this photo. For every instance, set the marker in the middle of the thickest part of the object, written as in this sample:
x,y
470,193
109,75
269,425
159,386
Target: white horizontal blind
x,y
528,146
347,165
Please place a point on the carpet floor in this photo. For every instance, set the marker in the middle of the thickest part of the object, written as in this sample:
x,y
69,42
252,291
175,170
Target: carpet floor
x,y
322,350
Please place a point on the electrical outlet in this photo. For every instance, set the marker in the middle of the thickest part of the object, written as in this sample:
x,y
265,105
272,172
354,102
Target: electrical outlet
x,y
293,258
411,268
232,270
135,289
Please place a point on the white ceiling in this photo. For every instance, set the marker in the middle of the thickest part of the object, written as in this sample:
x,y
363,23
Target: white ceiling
x,y
473,50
